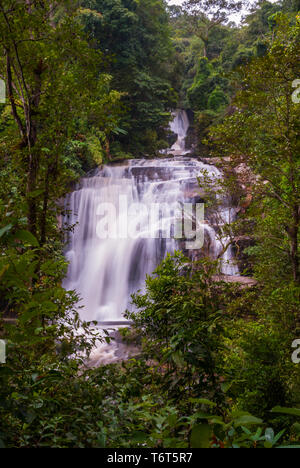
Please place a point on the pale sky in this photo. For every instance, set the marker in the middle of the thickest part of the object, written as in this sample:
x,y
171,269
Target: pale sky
x,y
236,17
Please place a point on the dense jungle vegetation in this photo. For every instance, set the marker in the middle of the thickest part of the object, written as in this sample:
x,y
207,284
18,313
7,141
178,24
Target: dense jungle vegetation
x,y
93,81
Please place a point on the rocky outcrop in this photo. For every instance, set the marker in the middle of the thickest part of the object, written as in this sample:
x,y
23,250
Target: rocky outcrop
x,y
243,281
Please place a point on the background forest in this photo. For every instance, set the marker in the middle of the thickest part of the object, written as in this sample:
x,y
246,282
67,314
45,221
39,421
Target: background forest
x,y
95,81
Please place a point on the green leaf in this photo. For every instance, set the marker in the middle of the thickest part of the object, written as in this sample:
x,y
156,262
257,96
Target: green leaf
x,y
4,270
290,411
210,417
202,401
101,440
279,435
246,430
178,359
139,436
201,436
36,193
120,131
226,386
27,237
296,428
247,420
5,229
268,444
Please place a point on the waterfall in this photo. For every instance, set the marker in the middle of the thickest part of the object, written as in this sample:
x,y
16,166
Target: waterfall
x,y
106,264
179,126
106,271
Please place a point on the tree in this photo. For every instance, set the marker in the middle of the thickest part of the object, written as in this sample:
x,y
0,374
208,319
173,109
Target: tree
x,y
52,78
134,37
207,14
179,317
262,134
217,100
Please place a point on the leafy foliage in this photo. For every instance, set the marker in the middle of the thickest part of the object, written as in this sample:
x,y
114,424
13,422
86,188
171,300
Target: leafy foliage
x,y
135,38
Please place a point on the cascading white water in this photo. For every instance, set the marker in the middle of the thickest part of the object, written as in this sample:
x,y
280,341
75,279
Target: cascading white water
x,y
179,126
106,271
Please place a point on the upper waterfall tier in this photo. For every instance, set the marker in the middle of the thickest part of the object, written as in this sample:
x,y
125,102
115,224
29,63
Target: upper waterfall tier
x,y
180,126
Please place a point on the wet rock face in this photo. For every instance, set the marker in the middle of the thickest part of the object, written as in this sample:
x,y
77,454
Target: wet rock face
x,y
191,139
240,245
171,138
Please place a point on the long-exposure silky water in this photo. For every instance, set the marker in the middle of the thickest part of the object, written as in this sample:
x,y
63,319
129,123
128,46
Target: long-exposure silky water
x,y
180,126
106,270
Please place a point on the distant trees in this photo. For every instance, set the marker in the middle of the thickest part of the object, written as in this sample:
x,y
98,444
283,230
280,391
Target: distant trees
x,y
135,39
52,78
263,134
206,93
209,48
206,15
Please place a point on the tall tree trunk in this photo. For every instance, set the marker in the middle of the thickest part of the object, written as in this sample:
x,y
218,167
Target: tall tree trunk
x,y
43,224
31,187
294,232
205,44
